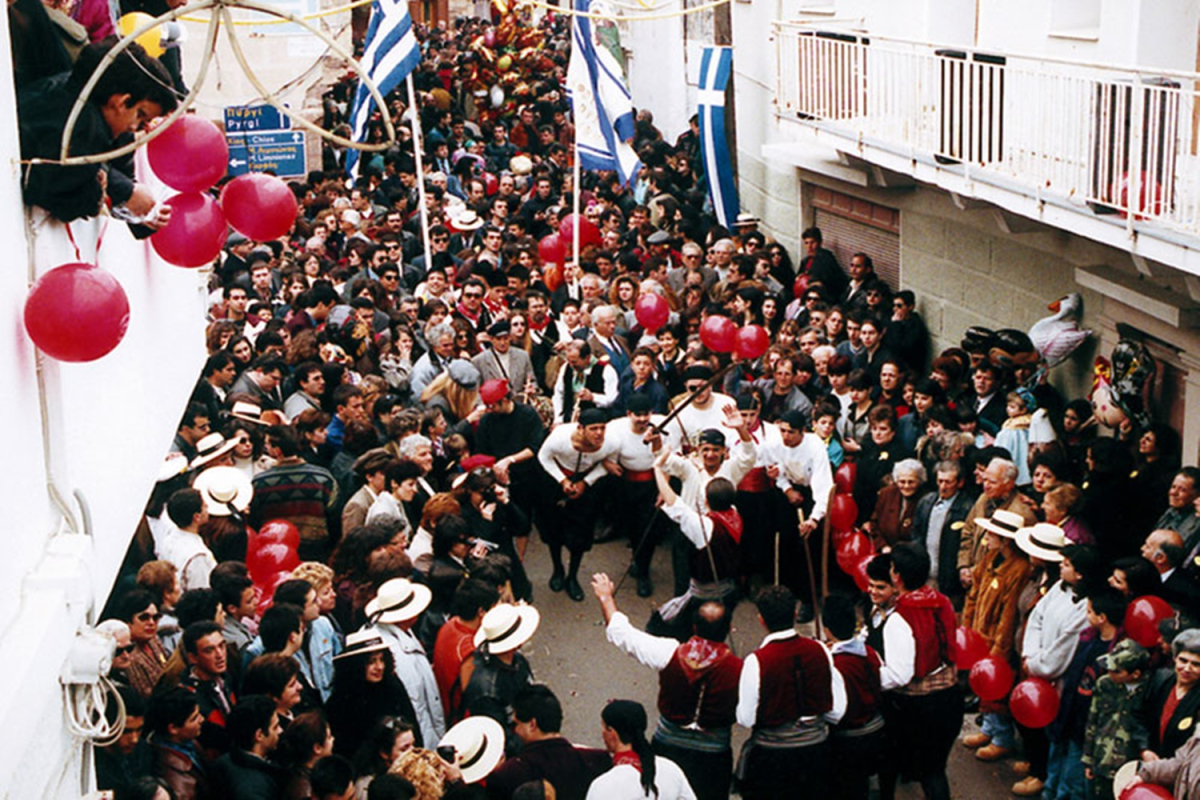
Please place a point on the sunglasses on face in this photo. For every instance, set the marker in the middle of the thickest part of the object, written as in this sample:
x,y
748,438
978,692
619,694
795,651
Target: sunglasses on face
x,y
146,616
475,295
124,651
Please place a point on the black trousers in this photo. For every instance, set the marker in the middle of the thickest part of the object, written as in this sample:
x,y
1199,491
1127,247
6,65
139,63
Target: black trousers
x,y
708,773
799,772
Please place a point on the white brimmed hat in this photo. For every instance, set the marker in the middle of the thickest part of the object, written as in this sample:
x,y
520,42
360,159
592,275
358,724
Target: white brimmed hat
x,y
225,490
466,220
247,411
1045,540
211,447
398,600
506,627
478,743
1003,523
174,465
362,642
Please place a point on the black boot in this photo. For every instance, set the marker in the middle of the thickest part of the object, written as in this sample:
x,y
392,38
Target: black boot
x,y
574,590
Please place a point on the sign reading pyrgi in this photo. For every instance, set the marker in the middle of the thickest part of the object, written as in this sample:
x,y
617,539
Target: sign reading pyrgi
x,y
260,139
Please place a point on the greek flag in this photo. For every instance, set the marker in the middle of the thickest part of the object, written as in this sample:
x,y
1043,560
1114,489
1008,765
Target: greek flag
x,y
600,100
716,65
391,53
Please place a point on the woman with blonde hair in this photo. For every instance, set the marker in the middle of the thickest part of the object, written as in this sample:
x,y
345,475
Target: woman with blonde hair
x,y
455,392
428,774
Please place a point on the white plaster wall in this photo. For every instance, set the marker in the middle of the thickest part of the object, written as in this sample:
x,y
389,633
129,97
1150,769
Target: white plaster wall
x,y
657,71
111,423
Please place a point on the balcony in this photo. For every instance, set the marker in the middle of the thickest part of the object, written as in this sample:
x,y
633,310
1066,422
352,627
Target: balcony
x,y
1106,152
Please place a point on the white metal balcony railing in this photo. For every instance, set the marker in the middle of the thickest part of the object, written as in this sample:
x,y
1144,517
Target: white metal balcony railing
x,y
1121,141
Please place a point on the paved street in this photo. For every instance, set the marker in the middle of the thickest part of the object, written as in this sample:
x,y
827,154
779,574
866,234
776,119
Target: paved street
x,y
570,654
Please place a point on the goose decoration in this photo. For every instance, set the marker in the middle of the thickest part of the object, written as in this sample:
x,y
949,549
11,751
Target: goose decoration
x,y
1059,335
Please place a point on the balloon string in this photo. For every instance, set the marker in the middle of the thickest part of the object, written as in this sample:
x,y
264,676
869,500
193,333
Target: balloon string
x,y
71,238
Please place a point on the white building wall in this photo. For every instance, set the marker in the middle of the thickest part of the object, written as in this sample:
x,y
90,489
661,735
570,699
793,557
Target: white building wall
x,y
110,424
657,70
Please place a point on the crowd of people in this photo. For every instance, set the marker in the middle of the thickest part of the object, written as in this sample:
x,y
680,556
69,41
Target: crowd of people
x,y
403,420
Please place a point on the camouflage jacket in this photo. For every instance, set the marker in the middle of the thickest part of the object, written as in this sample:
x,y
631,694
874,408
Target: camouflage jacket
x,y
1115,732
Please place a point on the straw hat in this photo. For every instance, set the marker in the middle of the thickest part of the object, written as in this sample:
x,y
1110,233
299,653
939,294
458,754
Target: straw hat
x,y
506,627
211,447
362,642
478,743
1003,523
247,411
398,600
1044,540
225,490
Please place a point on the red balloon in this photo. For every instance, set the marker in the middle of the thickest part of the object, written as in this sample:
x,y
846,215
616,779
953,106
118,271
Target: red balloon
x,y
552,275
189,156
991,678
844,477
652,311
76,312
843,512
853,549
270,558
751,342
1034,703
278,531
267,586
717,333
260,206
589,234
1142,618
552,250
859,572
195,233
969,647
800,285
1147,791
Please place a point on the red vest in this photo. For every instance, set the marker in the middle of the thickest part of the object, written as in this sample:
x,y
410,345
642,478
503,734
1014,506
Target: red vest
x,y
727,532
932,620
699,663
794,681
863,689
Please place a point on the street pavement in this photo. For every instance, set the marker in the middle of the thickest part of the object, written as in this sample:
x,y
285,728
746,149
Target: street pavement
x,y
570,654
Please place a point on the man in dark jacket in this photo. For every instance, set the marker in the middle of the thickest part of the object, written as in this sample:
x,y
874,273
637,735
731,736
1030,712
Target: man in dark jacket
x,y
938,524
244,773
133,90
820,265
546,754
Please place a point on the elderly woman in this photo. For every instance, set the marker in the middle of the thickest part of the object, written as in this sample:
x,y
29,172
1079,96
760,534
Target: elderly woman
x,y
992,610
1175,688
149,658
123,646
892,520
1059,506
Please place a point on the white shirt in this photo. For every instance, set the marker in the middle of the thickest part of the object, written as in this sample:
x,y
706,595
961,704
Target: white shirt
x,y
695,479
387,508
625,783
558,455
900,650
630,450
698,529
612,387
747,707
413,670
692,420
807,464
655,652
193,561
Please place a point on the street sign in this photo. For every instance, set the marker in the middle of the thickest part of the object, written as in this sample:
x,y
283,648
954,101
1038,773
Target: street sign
x,y
260,139
241,119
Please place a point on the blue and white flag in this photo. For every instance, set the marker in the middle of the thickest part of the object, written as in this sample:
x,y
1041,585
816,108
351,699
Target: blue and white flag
x,y
716,65
600,100
391,54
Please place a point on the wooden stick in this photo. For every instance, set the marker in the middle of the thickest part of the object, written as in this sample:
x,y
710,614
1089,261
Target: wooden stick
x,y
718,375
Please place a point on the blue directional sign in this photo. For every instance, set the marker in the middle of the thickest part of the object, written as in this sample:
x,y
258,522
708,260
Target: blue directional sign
x,y
260,139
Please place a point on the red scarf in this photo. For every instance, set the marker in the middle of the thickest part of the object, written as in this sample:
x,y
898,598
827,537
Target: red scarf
x,y
732,520
628,757
696,655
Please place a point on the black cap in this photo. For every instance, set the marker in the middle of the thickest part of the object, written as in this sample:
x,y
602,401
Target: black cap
x,y
712,436
500,327
639,404
697,372
592,416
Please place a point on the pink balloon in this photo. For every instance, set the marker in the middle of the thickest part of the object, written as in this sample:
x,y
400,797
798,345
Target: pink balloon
x,y
76,312
189,156
552,250
652,311
589,234
751,342
277,531
991,678
1142,617
969,647
260,206
195,233
1034,703
717,333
